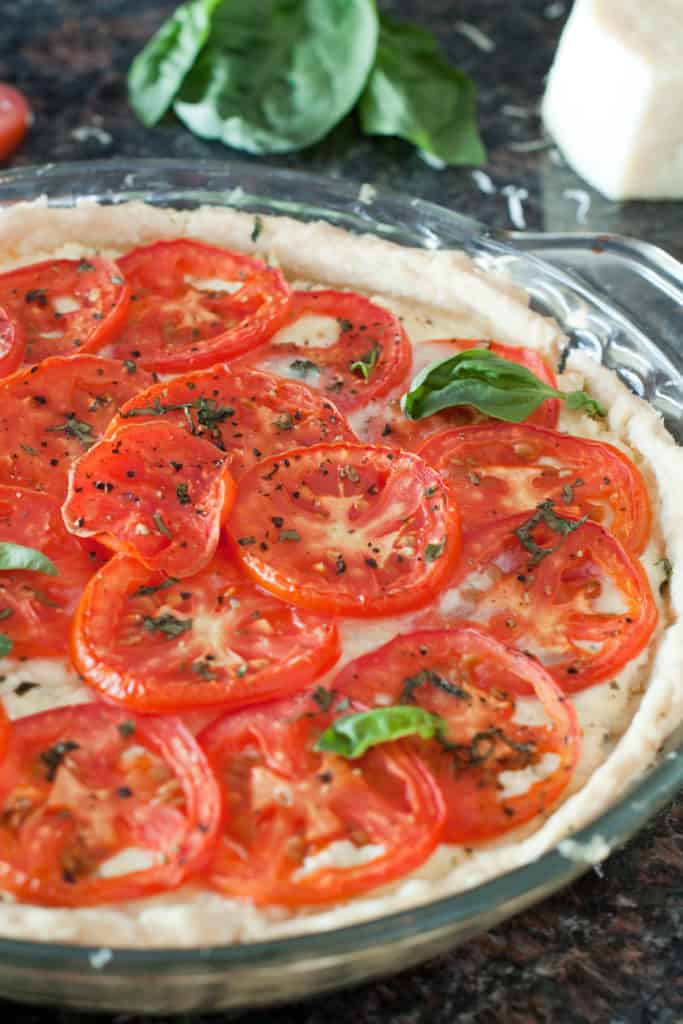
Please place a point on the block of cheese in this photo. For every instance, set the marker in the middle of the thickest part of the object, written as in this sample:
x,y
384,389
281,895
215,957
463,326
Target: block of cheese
x,y
614,99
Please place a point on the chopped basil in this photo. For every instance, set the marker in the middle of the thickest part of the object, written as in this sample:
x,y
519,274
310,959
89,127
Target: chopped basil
x,y
203,668
351,735
5,645
145,590
367,362
496,386
182,494
75,428
167,624
126,729
324,698
161,525
429,676
545,514
289,535
302,368
434,551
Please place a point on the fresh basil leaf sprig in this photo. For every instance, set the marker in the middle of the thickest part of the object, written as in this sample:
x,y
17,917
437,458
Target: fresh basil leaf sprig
x,y
351,735
497,387
272,76
276,76
157,73
414,93
17,556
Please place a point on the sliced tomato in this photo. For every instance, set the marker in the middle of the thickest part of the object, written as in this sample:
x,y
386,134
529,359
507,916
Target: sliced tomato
x,y
15,118
65,306
158,644
51,413
4,731
304,828
86,787
249,415
154,491
393,428
449,673
195,305
497,469
36,608
340,343
345,528
12,342
579,602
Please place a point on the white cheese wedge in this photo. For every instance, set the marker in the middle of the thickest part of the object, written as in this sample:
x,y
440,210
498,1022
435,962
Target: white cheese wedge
x,y
614,99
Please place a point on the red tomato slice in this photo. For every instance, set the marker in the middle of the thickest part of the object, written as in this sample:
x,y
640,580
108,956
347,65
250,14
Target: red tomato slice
x,y
370,356
4,731
195,305
584,607
353,529
286,803
495,470
65,306
15,118
51,413
35,608
12,341
448,672
248,414
157,644
155,492
392,427
82,785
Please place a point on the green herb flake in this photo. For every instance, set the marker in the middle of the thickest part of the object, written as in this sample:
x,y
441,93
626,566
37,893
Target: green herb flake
x,y
324,698
5,645
76,429
167,624
367,362
182,494
161,525
428,677
126,729
291,535
545,514
435,551
303,368
146,590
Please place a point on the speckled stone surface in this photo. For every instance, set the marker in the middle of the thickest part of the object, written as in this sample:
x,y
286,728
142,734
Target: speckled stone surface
x,y
609,948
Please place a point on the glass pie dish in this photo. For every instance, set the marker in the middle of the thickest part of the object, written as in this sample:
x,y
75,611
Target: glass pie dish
x,y
617,299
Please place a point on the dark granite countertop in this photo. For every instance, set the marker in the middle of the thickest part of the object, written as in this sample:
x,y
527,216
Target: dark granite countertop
x,y
609,948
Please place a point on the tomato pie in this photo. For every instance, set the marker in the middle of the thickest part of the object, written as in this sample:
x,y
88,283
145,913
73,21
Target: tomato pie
x,y
323,592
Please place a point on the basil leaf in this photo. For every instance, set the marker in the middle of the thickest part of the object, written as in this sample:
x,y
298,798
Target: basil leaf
x,y
496,386
277,75
352,735
5,645
16,556
413,92
158,71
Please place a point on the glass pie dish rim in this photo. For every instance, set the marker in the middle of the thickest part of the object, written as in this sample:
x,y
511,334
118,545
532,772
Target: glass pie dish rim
x,y
548,872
